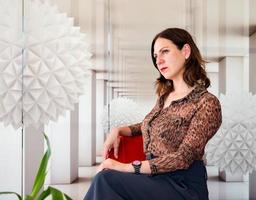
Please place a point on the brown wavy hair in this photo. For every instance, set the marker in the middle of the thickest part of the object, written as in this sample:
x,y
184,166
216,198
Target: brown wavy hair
x,y
194,73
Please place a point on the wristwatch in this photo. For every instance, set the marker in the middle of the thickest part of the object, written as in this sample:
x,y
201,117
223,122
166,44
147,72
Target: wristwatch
x,y
136,165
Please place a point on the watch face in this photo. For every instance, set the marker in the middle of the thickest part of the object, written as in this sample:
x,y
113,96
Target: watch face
x,y
136,162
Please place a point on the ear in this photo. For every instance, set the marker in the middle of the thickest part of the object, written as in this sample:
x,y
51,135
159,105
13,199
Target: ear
x,y
186,51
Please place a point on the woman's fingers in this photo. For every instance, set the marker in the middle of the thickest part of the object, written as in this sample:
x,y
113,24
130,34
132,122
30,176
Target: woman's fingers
x,y
106,149
116,147
116,152
112,141
100,168
103,165
104,154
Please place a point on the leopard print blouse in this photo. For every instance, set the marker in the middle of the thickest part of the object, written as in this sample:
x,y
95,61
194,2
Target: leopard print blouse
x,y
177,135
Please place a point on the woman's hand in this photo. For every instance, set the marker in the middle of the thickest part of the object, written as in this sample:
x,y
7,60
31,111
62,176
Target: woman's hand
x,y
115,165
112,141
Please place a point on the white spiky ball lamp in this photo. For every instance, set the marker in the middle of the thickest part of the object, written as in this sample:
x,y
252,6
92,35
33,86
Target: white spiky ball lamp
x,y
233,148
123,111
42,67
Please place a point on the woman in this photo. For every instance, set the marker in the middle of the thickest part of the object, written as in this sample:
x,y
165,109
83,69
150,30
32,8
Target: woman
x,y
174,133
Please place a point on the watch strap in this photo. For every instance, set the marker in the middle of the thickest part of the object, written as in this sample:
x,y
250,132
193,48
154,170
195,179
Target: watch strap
x,y
136,165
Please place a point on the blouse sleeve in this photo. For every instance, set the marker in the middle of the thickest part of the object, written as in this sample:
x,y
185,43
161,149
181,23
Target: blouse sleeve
x,y
203,126
136,129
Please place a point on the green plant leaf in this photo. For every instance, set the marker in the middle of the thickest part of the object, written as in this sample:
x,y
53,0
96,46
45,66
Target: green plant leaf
x,y
67,197
44,194
56,194
28,197
19,197
41,173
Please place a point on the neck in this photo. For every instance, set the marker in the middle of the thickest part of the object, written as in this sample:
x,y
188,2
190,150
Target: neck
x,y
181,87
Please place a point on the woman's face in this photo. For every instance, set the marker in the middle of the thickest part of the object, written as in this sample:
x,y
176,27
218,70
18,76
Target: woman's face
x,y
169,59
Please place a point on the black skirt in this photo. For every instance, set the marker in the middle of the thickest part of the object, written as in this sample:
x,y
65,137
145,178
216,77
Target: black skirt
x,y
189,184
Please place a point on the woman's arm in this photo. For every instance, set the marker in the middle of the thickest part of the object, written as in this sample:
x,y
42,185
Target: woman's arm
x,y
135,129
131,130
123,131
124,167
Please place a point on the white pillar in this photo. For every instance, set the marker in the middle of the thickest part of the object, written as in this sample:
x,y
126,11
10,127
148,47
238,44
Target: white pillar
x,y
10,160
63,136
231,74
33,150
232,71
87,122
100,65
111,94
101,99
231,79
252,186
252,61
115,93
212,70
252,88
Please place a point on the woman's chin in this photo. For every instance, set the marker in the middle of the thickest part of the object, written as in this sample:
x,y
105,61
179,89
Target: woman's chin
x,y
167,77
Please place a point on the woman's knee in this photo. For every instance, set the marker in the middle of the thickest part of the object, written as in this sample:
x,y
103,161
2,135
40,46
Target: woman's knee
x,y
103,176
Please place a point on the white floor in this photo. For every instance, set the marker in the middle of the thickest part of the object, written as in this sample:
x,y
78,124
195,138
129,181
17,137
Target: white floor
x,y
218,189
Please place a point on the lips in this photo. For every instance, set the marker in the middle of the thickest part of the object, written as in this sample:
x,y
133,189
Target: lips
x,y
163,69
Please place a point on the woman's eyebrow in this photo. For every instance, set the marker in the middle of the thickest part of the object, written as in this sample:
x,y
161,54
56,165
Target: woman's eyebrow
x,y
160,50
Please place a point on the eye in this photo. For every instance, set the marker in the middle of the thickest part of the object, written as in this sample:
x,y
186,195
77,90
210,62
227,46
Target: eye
x,y
164,51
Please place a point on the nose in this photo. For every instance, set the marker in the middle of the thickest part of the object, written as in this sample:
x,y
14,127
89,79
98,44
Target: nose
x,y
159,60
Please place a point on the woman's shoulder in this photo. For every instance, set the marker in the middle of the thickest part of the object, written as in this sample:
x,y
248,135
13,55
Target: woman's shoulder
x,y
200,94
209,98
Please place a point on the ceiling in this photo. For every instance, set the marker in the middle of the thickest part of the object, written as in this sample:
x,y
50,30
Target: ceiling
x,y
220,28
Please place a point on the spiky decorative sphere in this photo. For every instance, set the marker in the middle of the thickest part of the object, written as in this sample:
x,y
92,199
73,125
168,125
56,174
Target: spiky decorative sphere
x,y
122,111
42,65
233,148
